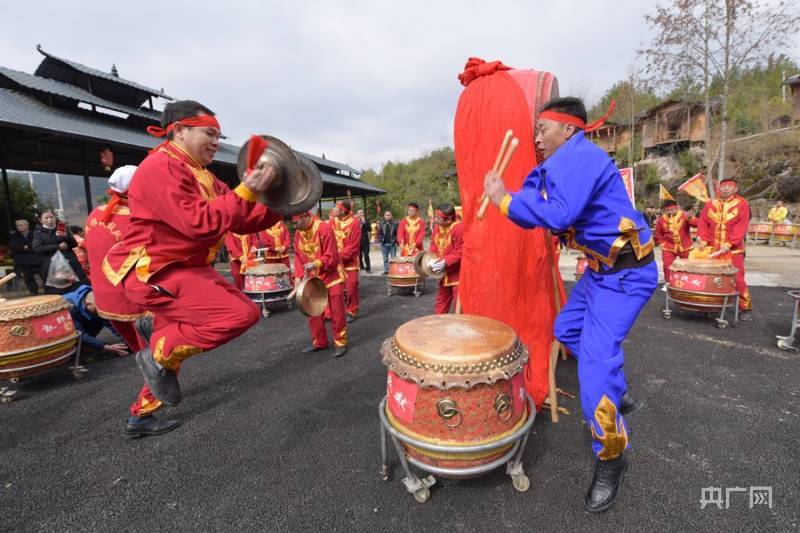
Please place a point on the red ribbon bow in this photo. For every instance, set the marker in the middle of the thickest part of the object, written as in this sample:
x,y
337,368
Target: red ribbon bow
x,y
477,67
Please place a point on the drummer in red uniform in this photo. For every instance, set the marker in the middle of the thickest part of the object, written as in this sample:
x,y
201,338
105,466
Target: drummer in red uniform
x,y
316,254
348,242
104,228
275,241
180,214
673,234
240,251
411,232
446,242
723,225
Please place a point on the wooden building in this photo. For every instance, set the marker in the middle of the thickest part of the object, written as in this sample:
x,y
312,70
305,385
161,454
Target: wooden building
x,y
611,136
672,126
794,86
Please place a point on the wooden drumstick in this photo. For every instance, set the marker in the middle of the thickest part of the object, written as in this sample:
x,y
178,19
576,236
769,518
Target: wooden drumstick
x,y
7,278
484,201
503,164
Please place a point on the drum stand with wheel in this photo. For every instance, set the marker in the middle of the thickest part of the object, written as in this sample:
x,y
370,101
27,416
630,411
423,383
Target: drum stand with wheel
x,y
787,343
420,487
729,300
416,289
264,299
78,371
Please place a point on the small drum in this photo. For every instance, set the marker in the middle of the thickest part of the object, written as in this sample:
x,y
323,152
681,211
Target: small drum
x,y
581,267
402,273
785,232
705,285
36,334
269,279
455,380
759,231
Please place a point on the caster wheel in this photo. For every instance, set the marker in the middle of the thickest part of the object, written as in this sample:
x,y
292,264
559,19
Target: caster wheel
x,y
5,399
264,313
14,380
522,483
422,495
667,315
722,325
78,375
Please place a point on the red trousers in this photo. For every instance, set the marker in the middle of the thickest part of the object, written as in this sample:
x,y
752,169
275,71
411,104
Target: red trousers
x,y
145,403
745,304
445,297
667,258
352,292
319,336
197,310
236,274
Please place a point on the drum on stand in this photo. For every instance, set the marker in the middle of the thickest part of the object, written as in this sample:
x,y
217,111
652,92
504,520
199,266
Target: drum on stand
x,y
456,404
403,276
704,286
786,234
268,284
759,232
36,334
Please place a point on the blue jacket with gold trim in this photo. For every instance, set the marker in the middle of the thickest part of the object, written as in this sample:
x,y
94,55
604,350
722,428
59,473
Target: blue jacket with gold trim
x,y
579,193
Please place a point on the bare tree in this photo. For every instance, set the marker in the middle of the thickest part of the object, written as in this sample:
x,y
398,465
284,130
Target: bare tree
x,y
711,40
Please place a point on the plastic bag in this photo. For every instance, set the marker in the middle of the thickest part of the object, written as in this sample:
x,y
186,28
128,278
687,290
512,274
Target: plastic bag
x,y
60,274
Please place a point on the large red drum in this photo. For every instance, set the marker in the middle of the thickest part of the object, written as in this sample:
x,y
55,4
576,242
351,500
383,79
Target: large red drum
x,y
785,232
36,334
455,380
759,231
703,285
402,273
272,278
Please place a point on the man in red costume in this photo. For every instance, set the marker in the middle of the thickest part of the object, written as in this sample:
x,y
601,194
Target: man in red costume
x,y
723,225
180,214
276,242
104,228
673,234
348,242
316,255
446,242
411,232
240,250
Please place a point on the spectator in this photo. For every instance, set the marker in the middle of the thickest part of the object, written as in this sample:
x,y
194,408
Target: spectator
x,y
387,238
26,261
365,231
89,324
49,238
80,250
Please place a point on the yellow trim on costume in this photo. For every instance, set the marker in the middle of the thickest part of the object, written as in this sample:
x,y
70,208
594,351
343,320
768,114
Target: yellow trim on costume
x,y
629,235
116,276
244,192
504,203
118,317
615,437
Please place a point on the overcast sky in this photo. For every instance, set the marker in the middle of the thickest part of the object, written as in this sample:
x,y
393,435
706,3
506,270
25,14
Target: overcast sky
x,y
362,81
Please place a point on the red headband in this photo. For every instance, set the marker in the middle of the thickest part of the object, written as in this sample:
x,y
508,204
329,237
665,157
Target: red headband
x,y
209,121
566,118
439,213
341,205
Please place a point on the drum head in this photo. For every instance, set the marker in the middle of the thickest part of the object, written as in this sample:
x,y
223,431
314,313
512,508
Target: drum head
x,y
31,306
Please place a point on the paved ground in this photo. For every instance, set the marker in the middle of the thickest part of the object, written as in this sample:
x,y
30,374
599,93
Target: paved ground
x,y
273,440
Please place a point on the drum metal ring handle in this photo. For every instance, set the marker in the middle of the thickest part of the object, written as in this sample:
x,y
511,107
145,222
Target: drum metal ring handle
x,y
502,405
447,409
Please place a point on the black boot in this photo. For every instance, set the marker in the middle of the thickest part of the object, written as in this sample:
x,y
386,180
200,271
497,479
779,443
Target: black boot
x,y
144,327
629,405
605,484
148,426
312,349
340,351
163,382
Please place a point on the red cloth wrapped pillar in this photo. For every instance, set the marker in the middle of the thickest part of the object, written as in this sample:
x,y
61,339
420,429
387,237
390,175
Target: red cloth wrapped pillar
x,y
510,278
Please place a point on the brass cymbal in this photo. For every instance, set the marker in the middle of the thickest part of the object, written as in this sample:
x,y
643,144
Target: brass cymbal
x,y
423,265
298,185
311,297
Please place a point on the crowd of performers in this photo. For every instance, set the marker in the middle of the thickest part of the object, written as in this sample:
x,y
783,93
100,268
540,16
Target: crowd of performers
x,y
151,249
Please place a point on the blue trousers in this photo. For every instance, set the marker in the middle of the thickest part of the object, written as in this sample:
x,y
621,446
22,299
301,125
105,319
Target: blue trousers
x,y
599,313
389,251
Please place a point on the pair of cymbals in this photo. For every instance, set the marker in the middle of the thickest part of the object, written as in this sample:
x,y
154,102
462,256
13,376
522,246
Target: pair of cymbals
x,y
423,265
298,183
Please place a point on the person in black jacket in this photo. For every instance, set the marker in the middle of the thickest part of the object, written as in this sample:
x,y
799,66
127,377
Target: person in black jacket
x,y
387,237
365,231
50,238
26,261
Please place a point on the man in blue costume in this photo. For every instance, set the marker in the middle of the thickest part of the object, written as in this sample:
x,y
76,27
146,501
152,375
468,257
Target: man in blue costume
x,y
578,193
